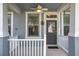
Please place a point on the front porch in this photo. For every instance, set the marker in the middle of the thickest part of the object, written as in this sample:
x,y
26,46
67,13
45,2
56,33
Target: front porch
x,y
27,31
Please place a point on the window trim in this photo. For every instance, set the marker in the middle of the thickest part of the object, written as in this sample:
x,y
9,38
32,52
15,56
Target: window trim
x,y
11,23
62,21
26,26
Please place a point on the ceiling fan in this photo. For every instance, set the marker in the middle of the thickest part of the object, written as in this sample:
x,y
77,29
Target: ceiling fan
x,y
39,8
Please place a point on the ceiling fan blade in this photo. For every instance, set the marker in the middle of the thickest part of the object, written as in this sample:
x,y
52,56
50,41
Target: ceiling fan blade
x,y
45,9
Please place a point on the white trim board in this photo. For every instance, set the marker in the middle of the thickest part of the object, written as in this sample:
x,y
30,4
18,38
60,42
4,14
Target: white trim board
x,y
57,19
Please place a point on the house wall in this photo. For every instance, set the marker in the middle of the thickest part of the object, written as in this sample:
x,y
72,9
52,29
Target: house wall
x,y
74,30
22,26
62,40
18,21
17,24
4,50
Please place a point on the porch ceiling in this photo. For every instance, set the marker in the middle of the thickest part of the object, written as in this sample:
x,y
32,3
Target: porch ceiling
x,y
50,6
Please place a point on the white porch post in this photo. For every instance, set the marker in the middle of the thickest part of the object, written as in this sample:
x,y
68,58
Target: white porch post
x,y
3,29
74,30
44,34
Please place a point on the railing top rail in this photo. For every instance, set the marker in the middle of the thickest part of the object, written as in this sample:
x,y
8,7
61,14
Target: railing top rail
x,y
26,39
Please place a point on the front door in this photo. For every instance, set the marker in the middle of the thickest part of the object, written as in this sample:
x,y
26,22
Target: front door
x,y
51,32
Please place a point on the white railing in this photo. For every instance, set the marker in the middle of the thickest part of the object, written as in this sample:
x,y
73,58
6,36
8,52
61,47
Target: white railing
x,y
27,47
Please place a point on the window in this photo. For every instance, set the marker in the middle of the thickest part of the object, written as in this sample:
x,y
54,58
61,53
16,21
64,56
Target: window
x,y
66,21
33,25
9,24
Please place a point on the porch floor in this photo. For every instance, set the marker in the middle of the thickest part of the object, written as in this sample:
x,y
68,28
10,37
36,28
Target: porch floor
x,y
55,52
49,52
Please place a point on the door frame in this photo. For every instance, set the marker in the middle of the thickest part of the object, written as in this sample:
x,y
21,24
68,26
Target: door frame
x,y
45,20
47,31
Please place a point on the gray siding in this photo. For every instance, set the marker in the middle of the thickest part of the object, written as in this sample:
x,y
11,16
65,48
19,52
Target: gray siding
x,y
4,46
73,46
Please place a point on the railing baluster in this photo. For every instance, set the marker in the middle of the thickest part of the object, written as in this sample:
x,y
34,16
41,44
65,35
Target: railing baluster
x,y
41,48
27,48
18,48
10,49
32,47
24,48
13,48
38,47
35,47
21,48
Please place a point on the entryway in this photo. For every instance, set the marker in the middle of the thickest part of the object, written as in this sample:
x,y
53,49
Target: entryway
x,y
51,32
52,49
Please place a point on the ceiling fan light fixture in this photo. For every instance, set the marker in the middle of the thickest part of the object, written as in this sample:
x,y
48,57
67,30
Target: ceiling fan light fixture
x,y
38,10
39,7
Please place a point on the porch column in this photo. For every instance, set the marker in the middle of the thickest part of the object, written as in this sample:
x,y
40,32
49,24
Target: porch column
x,y
74,30
3,30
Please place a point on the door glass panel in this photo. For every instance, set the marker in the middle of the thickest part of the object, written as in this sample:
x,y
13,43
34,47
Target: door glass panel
x,y
33,24
51,27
